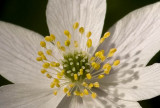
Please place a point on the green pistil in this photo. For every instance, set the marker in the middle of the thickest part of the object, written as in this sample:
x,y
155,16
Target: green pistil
x,y
72,64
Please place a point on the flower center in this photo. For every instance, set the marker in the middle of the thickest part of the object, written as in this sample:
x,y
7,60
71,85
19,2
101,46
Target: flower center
x,y
76,65
76,71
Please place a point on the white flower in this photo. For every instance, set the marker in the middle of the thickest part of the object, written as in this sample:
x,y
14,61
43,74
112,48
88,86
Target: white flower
x,y
82,69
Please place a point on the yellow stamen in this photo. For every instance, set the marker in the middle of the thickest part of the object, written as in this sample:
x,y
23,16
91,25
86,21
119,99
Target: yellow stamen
x,y
58,44
67,43
88,76
43,44
52,84
96,84
106,35
40,53
43,57
39,59
94,95
49,52
81,72
71,85
100,76
75,25
106,66
81,94
55,92
43,71
92,59
68,94
81,30
75,44
95,65
48,38
75,77
65,90
67,33
48,76
111,52
46,65
85,91
56,81
62,48
89,43
90,85
116,62
89,34
53,37
84,84
77,93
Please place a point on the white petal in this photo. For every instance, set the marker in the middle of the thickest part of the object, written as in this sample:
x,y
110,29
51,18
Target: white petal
x,y
62,14
134,85
18,52
71,102
136,37
104,100
27,96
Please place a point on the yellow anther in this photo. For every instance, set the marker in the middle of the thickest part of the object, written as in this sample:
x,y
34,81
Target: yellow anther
x,y
48,76
58,44
59,76
67,33
102,58
43,57
43,44
39,59
77,93
71,85
95,65
107,71
89,34
65,90
52,84
84,84
113,50
62,48
102,40
68,94
48,38
81,72
40,53
106,66
57,64
53,37
89,43
94,95
55,92
75,77
81,30
96,84
57,85
75,44
88,76
67,42
85,91
53,64
46,65
116,62
100,76
81,94
43,71
56,81
75,25
106,35
102,51
92,59
49,52
90,85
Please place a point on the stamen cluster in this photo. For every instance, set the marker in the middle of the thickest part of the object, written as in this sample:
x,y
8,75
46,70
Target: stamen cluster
x,y
75,71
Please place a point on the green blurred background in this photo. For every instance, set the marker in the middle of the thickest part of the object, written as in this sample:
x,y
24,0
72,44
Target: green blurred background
x,y
31,14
